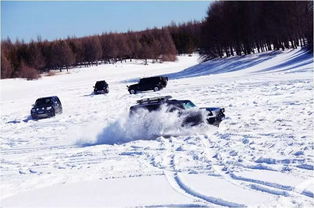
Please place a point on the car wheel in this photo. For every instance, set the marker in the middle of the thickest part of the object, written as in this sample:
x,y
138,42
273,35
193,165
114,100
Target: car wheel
x,y
53,113
132,91
156,89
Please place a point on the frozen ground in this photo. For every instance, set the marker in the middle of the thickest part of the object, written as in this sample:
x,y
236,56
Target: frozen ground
x,y
93,155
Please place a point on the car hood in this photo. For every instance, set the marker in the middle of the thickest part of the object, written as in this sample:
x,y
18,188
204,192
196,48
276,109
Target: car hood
x,y
133,86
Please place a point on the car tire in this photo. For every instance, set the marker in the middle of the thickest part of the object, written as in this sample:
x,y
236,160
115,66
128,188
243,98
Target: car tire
x,y
53,113
132,91
156,89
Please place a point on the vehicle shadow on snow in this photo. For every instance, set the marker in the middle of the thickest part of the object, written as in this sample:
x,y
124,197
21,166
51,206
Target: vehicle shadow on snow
x,y
13,122
89,95
92,94
27,119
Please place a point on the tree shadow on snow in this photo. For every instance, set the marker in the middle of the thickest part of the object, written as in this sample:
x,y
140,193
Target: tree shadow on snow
x,y
300,59
222,65
237,63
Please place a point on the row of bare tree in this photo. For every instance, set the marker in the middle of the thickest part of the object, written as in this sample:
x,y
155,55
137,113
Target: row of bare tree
x,y
27,60
237,28
186,36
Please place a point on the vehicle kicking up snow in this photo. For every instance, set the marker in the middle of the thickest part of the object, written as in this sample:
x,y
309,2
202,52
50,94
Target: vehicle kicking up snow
x,y
191,114
46,107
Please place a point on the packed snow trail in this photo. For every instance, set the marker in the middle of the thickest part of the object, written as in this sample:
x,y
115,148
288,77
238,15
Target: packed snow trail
x,y
261,155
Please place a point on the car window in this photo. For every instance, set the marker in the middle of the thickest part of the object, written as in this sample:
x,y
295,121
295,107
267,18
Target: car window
x,y
144,81
43,101
152,107
149,80
188,105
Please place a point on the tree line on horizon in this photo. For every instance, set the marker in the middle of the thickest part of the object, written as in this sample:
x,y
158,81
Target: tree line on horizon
x,y
27,60
241,28
229,29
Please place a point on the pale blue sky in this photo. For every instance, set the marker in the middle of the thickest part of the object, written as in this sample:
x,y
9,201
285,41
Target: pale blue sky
x,y
53,20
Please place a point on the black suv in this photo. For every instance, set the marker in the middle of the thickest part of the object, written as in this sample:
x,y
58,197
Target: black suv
x,y
46,107
192,115
149,83
101,87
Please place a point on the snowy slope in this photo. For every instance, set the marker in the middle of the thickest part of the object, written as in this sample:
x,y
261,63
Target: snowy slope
x,y
93,155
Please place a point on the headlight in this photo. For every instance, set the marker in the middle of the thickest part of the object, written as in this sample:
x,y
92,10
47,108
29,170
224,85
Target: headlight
x,y
49,108
33,110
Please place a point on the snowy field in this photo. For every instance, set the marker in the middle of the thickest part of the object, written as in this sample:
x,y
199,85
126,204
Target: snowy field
x,y
93,155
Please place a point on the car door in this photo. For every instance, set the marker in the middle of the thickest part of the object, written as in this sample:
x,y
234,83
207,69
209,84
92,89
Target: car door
x,y
151,83
144,84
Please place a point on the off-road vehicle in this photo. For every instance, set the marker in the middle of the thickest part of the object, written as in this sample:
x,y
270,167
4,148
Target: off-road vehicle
x,y
149,83
101,87
46,107
191,114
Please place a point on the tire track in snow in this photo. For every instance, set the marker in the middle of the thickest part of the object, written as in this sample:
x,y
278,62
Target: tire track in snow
x,y
24,150
178,184
258,185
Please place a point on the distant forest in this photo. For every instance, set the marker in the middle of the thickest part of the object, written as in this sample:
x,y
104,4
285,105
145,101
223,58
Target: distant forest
x,y
229,29
237,28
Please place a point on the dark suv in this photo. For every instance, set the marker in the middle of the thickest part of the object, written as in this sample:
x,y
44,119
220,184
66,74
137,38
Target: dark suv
x,y
149,83
101,87
189,111
46,107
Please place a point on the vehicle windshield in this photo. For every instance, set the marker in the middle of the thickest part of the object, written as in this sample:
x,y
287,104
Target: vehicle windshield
x,y
43,101
188,105
100,84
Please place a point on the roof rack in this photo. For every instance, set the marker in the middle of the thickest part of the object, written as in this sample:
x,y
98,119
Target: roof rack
x,y
154,99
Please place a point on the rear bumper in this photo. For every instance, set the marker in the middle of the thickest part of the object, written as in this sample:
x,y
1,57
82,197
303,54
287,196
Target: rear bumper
x,y
100,91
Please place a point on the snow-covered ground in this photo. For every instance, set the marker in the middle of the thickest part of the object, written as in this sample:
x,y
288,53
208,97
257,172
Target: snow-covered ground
x,y
93,155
